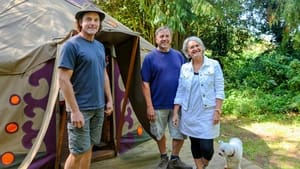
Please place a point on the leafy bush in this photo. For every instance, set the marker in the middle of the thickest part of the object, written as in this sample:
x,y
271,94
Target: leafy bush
x,y
294,75
262,84
240,102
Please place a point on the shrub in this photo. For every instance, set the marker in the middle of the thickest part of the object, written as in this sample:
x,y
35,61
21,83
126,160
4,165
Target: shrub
x,y
262,84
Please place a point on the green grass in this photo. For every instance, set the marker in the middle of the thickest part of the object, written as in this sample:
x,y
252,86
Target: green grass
x,y
273,142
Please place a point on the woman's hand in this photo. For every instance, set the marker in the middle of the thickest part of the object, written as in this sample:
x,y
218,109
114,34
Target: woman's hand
x,y
217,115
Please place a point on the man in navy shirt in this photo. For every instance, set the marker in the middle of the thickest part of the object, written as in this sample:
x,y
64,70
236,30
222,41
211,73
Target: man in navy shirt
x,y
160,73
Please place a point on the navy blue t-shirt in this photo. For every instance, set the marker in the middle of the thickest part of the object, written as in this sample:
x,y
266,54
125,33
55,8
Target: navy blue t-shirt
x,y
87,60
161,70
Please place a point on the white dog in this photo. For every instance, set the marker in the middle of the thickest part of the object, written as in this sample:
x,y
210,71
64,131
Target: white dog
x,y
232,152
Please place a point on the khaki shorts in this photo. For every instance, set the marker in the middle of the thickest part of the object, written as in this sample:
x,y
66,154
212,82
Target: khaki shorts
x,y
158,127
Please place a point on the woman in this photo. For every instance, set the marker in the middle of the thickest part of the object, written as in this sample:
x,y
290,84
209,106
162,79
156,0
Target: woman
x,y
199,96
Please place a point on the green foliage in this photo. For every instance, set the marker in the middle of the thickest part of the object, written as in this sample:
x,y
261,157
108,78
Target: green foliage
x,y
216,22
258,105
263,84
289,12
223,33
267,71
129,13
278,18
294,75
240,102
225,26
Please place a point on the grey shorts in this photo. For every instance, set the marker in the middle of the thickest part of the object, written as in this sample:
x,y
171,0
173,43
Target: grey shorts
x,y
81,139
158,127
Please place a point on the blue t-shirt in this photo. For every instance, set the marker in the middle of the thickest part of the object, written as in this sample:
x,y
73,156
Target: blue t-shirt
x,y
161,70
87,60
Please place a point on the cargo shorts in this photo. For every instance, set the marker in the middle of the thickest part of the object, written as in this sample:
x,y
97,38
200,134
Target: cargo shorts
x,y
164,118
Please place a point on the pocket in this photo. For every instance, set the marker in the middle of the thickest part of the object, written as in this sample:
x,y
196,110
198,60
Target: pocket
x,y
155,131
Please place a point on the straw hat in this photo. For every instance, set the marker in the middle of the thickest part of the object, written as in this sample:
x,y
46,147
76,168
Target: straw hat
x,y
89,8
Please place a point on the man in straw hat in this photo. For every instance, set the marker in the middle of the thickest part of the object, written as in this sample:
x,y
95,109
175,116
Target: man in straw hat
x,y
85,86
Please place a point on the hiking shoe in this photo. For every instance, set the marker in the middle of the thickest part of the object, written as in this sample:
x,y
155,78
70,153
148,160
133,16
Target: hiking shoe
x,y
178,164
163,164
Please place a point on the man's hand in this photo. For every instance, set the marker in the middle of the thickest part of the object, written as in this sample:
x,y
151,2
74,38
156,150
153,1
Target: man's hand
x,y
175,120
77,119
151,113
109,109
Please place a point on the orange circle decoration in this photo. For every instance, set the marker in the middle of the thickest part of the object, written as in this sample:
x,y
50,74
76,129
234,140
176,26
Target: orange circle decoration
x,y
139,130
7,158
11,127
14,99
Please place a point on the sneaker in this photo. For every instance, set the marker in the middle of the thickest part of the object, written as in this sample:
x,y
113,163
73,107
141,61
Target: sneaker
x,y
163,164
178,164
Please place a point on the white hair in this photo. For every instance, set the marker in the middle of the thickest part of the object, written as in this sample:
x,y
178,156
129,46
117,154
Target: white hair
x,y
187,40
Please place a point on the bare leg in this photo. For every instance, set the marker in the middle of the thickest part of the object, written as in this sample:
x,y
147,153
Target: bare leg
x,y
176,146
201,163
85,161
82,161
198,163
162,145
72,161
175,160
204,162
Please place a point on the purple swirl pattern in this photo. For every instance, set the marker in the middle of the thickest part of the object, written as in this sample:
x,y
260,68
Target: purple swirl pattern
x,y
45,72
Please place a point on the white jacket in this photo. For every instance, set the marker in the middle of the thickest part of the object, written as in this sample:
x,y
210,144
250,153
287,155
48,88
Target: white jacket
x,y
211,80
